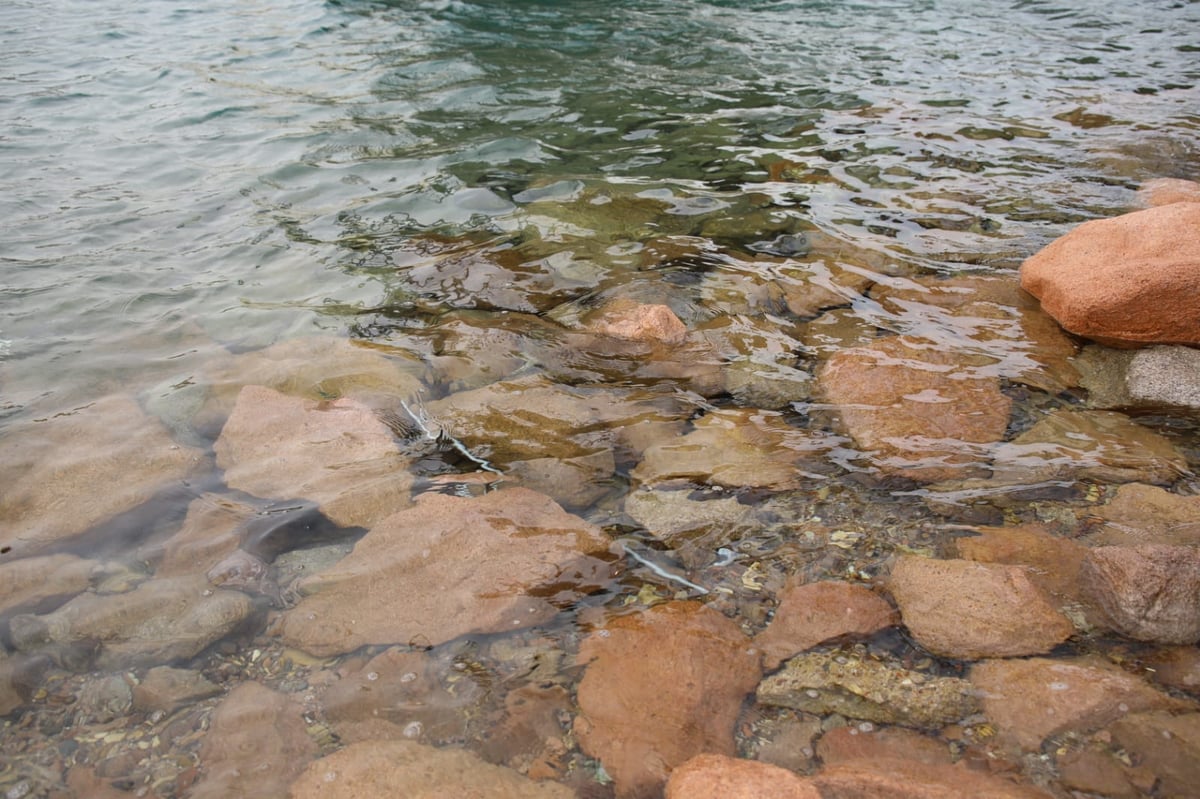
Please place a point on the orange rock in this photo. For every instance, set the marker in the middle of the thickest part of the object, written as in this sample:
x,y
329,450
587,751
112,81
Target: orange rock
x,y
1028,700
1168,745
1054,561
915,408
891,778
1164,191
629,319
843,744
811,613
1125,281
661,687
963,609
721,777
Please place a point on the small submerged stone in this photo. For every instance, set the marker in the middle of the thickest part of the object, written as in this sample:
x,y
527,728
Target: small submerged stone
x,y
661,686
859,688
968,610
713,776
812,613
35,582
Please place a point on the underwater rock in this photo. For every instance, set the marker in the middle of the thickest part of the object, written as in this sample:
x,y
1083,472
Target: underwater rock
x,y
1129,280
1102,372
337,454
447,567
376,768
628,319
81,467
1176,667
1164,191
859,688
40,581
1166,745
809,614
1144,514
678,517
1052,562
166,688
1149,592
158,622
315,368
103,698
574,483
20,676
208,534
915,409
968,610
762,362
895,778
710,776
851,743
256,744
1103,446
1031,699
739,448
404,691
987,319
661,686
531,737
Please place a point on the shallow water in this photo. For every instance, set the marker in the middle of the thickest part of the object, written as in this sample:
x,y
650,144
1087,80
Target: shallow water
x,y
461,184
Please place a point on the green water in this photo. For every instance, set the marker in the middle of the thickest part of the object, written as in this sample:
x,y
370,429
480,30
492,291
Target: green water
x,y
179,181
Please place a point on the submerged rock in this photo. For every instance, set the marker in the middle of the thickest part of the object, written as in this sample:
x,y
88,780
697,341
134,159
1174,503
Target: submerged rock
x,y
33,583
20,676
625,318
915,409
1164,191
376,768
256,745
165,688
1166,745
710,776
858,688
158,622
1149,592
337,454
968,610
678,517
82,467
447,567
209,533
1030,700
895,778
661,686
1144,514
762,362
1130,280
809,614
739,449
1103,446
1152,378
1052,562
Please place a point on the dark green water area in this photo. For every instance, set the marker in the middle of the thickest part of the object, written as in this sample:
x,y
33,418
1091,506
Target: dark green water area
x,y
226,223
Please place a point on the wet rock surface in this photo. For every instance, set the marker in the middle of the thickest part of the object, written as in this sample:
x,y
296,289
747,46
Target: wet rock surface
x,y
969,610
33,583
641,727
256,745
1145,514
908,779
374,768
158,622
860,688
1030,700
1129,279
676,517
1167,745
83,467
723,777
447,567
1164,191
337,454
812,613
1149,592
915,408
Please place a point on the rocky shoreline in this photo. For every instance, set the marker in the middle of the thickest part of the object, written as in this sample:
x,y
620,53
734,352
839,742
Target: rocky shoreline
x,y
369,588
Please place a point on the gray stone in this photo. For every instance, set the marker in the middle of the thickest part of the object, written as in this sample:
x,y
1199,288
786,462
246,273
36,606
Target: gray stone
x,y
1168,376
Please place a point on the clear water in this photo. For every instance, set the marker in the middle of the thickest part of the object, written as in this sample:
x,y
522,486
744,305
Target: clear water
x,y
180,180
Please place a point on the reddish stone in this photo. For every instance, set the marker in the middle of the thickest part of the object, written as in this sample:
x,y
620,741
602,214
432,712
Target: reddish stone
x,y
811,613
404,768
629,319
447,567
720,777
1164,191
1149,592
1126,281
915,408
963,609
1145,514
1176,667
863,742
257,743
1165,744
1028,700
662,686
1053,561
891,778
